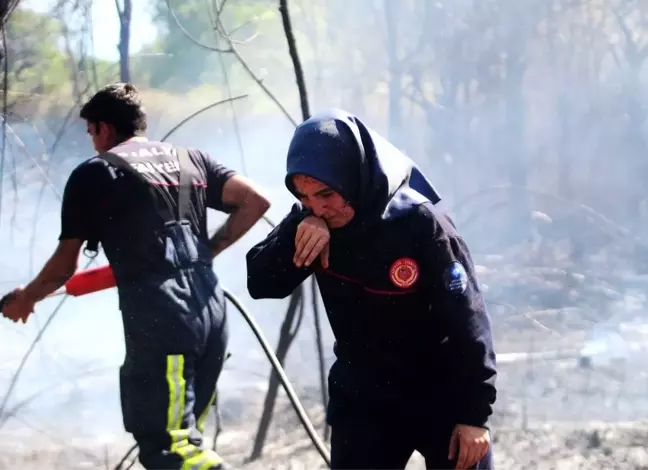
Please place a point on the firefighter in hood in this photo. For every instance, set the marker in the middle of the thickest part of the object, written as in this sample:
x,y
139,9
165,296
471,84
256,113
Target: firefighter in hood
x,y
415,365
146,203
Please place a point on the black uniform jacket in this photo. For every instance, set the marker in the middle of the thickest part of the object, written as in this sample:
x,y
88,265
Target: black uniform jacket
x,y
410,324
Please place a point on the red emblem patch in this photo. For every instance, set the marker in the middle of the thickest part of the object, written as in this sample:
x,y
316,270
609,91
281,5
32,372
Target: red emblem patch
x,y
404,272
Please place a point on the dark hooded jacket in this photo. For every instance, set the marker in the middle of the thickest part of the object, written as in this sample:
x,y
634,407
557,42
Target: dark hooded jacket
x,y
411,328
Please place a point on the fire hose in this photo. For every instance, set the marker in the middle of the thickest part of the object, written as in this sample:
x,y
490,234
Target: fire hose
x,y
97,279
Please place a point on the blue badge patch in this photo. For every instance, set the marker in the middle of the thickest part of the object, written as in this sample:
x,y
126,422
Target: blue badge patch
x,y
455,278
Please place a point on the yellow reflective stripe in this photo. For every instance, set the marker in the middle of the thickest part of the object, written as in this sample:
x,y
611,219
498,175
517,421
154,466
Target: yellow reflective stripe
x,y
185,450
180,443
178,435
177,385
204,461
200,425
194,458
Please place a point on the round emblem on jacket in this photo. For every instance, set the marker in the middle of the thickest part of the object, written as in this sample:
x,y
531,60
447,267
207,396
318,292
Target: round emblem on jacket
x,y
404,272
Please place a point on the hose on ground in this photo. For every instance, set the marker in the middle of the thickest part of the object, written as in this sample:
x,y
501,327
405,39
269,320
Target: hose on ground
x,y
274,362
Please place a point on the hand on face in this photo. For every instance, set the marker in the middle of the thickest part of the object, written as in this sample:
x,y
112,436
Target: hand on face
x,y
311,241
322,201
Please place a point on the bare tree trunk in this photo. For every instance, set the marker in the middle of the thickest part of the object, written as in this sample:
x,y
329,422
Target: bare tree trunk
x,y
294,56
305,108
93,63
4,63
72,64
289,329
6,8
310,17
320,351
295,312
125,14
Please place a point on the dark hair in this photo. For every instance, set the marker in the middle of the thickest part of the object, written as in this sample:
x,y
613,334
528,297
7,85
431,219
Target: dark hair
x,y
119,105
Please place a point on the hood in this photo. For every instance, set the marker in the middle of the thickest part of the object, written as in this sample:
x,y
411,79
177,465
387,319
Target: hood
x,y
337,149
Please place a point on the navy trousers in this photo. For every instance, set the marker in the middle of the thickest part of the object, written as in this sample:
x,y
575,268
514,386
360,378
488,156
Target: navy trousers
x,y
381,445
169,384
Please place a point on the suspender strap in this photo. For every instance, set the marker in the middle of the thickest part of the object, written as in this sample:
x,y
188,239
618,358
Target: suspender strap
x,y
184,187
184,179
185,184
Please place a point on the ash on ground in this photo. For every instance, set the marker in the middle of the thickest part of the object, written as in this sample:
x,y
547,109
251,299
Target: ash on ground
x,y
564,446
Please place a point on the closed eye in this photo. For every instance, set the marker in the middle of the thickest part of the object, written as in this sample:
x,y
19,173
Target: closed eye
x,y
326,193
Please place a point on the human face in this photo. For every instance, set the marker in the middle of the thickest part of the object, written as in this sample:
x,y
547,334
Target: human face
x,y
103,136
323,201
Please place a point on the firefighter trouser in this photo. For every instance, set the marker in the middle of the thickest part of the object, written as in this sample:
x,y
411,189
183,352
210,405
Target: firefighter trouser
x,y
165,403
380,445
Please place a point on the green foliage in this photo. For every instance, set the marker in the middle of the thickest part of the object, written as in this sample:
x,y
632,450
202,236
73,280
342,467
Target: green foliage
x,y
193,65
36,63
187,60
41,66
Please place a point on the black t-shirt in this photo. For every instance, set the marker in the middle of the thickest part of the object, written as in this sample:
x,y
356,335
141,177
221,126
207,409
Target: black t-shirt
x,y
95,191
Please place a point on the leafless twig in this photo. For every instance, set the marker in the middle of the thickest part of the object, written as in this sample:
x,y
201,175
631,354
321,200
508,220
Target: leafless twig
x,y
231,49
32,346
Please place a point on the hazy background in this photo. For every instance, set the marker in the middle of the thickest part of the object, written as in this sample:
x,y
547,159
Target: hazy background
x,y
528,116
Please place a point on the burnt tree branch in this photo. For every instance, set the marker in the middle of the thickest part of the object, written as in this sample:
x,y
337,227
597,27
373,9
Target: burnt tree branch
x,y
293,315
294,56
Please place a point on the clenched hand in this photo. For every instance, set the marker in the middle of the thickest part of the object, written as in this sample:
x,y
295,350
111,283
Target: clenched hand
x,y
472,442
311,241
18,306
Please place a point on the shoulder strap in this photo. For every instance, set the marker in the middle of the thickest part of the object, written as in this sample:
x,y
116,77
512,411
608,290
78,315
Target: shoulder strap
x,y
184,187
184,183
184,177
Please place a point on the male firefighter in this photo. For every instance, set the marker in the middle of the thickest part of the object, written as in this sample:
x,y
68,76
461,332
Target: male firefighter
x,y
415,366
146,203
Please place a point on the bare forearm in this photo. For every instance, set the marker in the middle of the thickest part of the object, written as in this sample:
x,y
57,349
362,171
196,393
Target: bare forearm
x,y
52,277
236,225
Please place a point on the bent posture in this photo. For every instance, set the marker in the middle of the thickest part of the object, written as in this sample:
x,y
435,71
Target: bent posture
x,y
415,366
146,203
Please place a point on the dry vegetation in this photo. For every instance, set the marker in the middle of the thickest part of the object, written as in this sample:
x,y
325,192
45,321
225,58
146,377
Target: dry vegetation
x,y
550,278
584,446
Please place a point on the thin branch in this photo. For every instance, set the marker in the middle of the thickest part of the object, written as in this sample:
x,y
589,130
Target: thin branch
x,y
191,116
603,220
32,346
130,454
189,36
5,93
289,328
6,9
23,147
13,411
237,130
294,56
295,310
259,82
120,11
231,50
201,110
320,350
